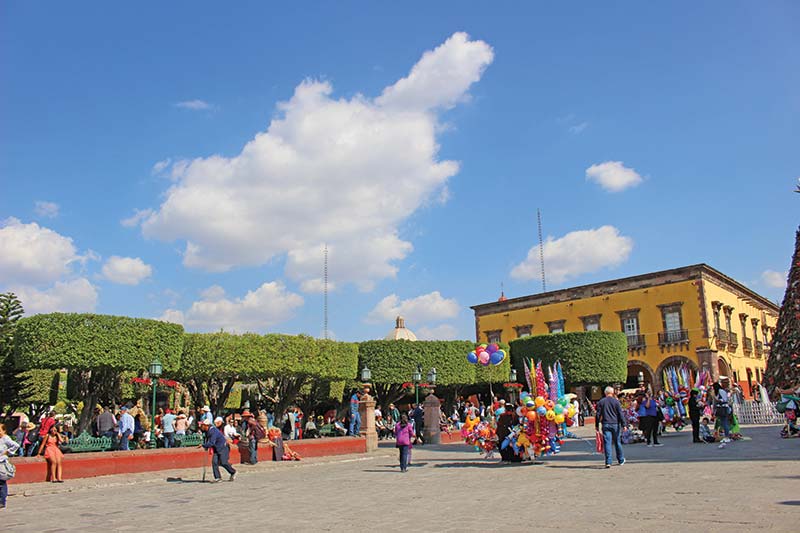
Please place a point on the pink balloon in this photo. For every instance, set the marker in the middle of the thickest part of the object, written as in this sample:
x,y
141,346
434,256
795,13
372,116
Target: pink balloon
x,y
484,357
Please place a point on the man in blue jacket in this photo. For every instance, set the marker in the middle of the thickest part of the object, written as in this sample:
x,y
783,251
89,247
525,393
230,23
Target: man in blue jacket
x,y
216,440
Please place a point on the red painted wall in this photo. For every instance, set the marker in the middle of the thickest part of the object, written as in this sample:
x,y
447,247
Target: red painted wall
x,y
82,465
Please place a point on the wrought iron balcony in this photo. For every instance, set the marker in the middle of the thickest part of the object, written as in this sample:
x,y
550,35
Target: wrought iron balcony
x,y
677,336
759,349
733,339
747,343
721,335
636,342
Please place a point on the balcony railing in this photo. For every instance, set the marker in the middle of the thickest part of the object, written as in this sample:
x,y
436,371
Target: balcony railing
x,y
635,342
733,339
721,335
673,337
759,349
747,343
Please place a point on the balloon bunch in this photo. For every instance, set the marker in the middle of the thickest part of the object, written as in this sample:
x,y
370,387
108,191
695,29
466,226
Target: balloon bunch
x,y
486,354
558,411
479,434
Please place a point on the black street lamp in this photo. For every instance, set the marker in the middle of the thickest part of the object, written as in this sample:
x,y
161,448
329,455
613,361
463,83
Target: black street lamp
x,y
416,377
155,372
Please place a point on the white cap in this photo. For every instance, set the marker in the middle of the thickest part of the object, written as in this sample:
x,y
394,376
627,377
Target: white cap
x,y
206,408
218,420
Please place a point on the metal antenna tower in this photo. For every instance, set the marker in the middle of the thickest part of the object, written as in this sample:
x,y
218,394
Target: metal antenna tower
x,y
325,284
541,249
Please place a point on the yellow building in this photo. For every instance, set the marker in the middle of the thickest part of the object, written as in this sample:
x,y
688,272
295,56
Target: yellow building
x,y
693,315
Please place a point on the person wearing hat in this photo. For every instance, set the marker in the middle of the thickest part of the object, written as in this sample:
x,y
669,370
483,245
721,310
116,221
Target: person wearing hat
x,y
253,432
215,440
206,415
126,424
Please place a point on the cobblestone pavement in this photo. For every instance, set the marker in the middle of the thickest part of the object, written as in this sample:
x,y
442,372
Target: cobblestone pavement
x,y
748,485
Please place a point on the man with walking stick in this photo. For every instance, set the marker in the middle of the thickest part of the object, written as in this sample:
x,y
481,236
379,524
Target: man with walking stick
x,y
216,441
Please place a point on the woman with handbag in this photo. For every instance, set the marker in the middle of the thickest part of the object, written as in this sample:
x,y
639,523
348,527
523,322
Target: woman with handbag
x,y
53,455
7,448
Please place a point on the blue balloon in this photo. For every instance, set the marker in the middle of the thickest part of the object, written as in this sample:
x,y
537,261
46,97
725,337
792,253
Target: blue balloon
x,y
472,357
496,358
541,411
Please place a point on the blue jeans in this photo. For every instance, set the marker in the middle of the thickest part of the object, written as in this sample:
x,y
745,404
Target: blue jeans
x,y
725,424
123,440
253,445
221,459
611,434
169,439
3,492
405,453
355,424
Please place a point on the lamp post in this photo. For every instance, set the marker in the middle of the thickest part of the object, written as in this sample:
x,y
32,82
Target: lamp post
x,y
366,377
155,372
432,377
512,378
640,379
416,377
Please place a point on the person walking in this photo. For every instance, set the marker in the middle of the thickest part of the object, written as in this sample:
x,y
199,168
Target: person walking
x,y
694,415
53,455
8,447
609,413
404,434
126,426
419,424
216,441
355,417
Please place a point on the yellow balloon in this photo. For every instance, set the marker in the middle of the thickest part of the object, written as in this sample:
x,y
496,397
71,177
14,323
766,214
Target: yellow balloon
x,y
551,415
539,401
560,419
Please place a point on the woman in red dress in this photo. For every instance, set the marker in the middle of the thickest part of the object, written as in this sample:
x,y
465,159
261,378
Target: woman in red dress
x,y
53,455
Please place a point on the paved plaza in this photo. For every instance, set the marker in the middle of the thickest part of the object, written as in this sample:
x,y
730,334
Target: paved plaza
x,y
749,485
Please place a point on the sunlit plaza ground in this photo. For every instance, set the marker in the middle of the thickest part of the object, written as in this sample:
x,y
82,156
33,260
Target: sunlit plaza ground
x,y
751,484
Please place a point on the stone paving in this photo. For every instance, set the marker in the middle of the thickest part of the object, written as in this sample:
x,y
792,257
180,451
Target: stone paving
x,y
752,484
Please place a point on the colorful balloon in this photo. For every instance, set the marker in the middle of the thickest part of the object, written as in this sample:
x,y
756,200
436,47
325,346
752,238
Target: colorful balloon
x,y
559,419
483,358
492,348
539,401
541,411
472,357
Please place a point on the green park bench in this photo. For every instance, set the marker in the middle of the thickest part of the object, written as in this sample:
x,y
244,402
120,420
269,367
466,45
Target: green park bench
x,y
189,440
86,443
328,430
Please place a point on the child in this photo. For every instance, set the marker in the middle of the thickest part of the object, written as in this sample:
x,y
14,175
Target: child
x,y
705,432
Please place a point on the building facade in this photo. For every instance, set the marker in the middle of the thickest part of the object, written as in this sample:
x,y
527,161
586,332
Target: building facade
x,y
694,316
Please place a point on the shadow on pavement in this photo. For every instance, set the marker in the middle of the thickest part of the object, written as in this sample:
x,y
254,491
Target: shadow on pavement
x,y
790,502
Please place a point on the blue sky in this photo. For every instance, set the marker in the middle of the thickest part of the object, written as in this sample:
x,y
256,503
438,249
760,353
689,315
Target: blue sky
x,y
189,161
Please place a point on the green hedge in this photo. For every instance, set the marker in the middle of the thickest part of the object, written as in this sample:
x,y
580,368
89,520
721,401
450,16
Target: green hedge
x,y
85,341
396,360
587,357
221,355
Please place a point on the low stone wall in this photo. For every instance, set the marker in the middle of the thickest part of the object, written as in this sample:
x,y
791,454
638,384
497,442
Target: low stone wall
x,y
92,464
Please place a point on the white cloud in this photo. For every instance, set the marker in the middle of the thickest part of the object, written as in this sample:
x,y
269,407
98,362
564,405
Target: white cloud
x,y
161,166
76,296
578,128
194,105
426,308
343,171
32,254
576,253
442,332
126,270
46,209
613,176
258,310
137,217
774,280
316,286
172,315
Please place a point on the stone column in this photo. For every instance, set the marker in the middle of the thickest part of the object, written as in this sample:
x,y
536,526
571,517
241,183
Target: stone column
x,y
431,432
366,408
707,360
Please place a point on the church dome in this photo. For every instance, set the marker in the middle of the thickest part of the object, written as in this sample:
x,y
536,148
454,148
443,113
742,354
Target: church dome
x,y
400,332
